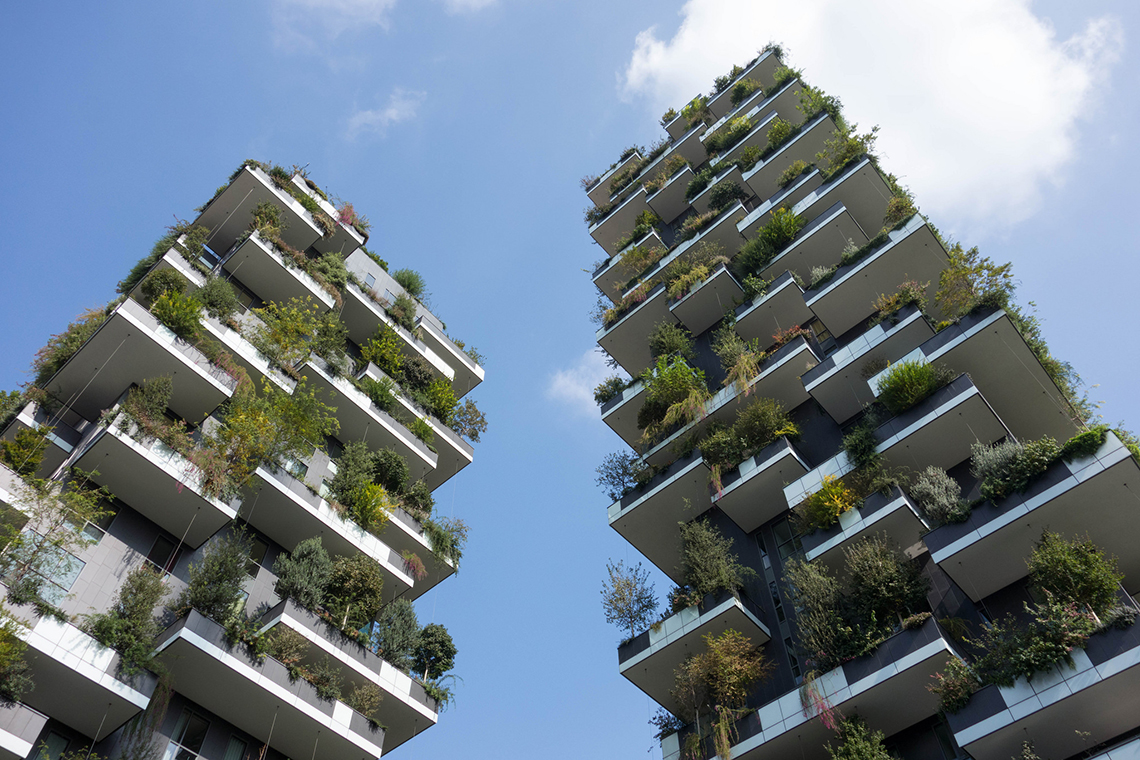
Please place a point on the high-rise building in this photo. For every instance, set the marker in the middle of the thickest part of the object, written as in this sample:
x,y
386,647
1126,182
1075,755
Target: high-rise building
x,y
217,485
853,454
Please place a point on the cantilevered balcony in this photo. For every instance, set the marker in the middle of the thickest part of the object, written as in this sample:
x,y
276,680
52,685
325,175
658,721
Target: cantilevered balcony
x,y
1094,496
260,698
731,173
405,709
892,513
77,679
763,178
1065,710
619,221
153,479
886,688
61,438
801,187
704,305
173,259
285,510
648,517
819,244
263,269
669,201
911,253
615,275
229,215
362,420
778,378
130,347
720,233
404,533
839,383
784,102
600,193
255,363
466,373
752,494
620,412
938,431
780,308
345,239
20,727
762,70
757,137
988,346
649,659
625,340
362,315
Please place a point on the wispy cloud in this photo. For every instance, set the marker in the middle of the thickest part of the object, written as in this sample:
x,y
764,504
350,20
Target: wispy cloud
x,y
402,105
573,388
979,101
297,21
467,6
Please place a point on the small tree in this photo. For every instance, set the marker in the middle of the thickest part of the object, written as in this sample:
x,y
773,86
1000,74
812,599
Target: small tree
x,y
970,279
435,654
353,593
303,573
627,598
468,421
1076,572
857,742
129,626
707,560
216,579
14,676
396,634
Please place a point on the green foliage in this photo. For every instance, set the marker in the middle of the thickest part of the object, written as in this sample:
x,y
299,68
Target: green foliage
x,y
708,562
413,282
845,146
447,538
216,578
857,742
402,310
1010,466
608,389
164,281
669,338
628,600
389,469
822,508
909,293
772,238
621,472
814,101
383,350
383,264
439,400
286,331
907,383
939,496
365,698
900,208
1085,444
418,501
724,194
25,452
381,391
970,280
718,680
1075,572
645,223
794,170
219,298
418,374
673,391
742,89
190,250
728,135
62,346
954,687
697,110
860,442
668,117
396,634
435,654
325,678
421,429
15,680
1012,650
129,626
353,593
288,647
778,133
699,182
757,425
303,573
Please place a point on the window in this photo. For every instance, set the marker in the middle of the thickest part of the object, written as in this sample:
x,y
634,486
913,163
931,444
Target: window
x,y
164,554
52,747
256,556
787,542
370,281
793,661
186,741
776,600
98,529
235,750
55,568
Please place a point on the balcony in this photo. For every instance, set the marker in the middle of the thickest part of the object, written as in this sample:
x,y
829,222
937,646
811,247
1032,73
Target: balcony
x,y
11,486
255,363
938,431
911,253
285,510
404,533
988,346
789,197
363,315
153,479
615,275
778,378
173,259
258,696
780,308
669,201
467,374
762,179
345,239
891,513
648,517
1086,496
887,688
626,341
1126,750
752,494
784,102
130,347
649,659
405,709
77,681
62,437
619,221
259,265
720,232
818,244
1097,697
362,420
731,174
762,70
757,137
838,382
600,192
20,727
620,412
704,305
229,215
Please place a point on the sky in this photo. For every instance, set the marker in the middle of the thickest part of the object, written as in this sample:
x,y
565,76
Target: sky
x,y
461,129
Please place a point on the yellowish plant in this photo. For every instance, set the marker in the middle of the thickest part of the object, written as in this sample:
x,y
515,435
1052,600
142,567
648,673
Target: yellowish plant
x,y
822,508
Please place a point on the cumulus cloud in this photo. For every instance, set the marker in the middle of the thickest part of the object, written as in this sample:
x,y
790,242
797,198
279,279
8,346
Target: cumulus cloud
x,y
467,6
402,105
574,387
294,21
979,100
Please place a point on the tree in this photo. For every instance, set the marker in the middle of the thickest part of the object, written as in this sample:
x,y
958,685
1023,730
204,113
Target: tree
x,y
129,626
14,676
303,573
857,742
435,654
215,587
396,634
970,279
353,594
1077,572
620,472
707,560
627,598
468,421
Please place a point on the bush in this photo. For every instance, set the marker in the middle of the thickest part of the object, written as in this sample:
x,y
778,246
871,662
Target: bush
x,y
365,698
182,314
216,579
860,442
609,389
675,394
383,350
762,422
447,538
219,298
325,678
440,400
742,89
728,135
15,680
708,562
25,452
353,593
402,310
1075,572
421,429
900,208
162,282
129,626
939,496
303,573
413,282
907,383
955,687
794,170
778,133
621,472
909,293
1011,650
821,509
389,469
628,600
1085,444
418,500
724,194
1010,467
418,374
62,346
381,392
396,634
669,338
783,75
288,647
857,742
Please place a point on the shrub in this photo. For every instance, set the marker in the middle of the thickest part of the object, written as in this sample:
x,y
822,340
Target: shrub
x,y
954,687
418,500
609,389
389,469
860,442
778,133
303,573
845,146
162,282
814,101
468,421
724,194
402,310
286,330
447,538
353,593
858,742
219,298
325,678
1085,444
365,698
909,293
699,182
939,496
216,579
440,400
742,89
15,680
418,374
708,562
820,276
396,634
907,383
25,452
129,626
794,170
62,346
668,117
621,472
383,350
821,509
182,314
1012,650
422,429
728,135
669,338
782,75
1075,572
762,422
382,392
413,282
645,223
900,208
969,279
674,394
1009,467
288,647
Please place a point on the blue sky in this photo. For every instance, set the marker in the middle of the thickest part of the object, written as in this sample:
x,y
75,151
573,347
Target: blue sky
x,y
461,128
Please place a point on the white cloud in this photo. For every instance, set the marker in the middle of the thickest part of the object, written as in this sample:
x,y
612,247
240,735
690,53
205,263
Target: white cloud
x,y
979,101
574,387
295,21
467,6
402,105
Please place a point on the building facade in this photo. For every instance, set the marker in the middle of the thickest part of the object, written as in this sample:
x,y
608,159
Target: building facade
x,y
262,381
820,384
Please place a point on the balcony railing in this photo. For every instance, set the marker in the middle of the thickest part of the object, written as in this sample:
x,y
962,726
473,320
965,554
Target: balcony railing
x,y
751,493
265,270
780,308
892,513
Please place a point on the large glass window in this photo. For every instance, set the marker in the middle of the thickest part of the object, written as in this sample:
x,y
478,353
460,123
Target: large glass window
x,y
164,554
52,747
189,733
56,568
257,552
236,749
